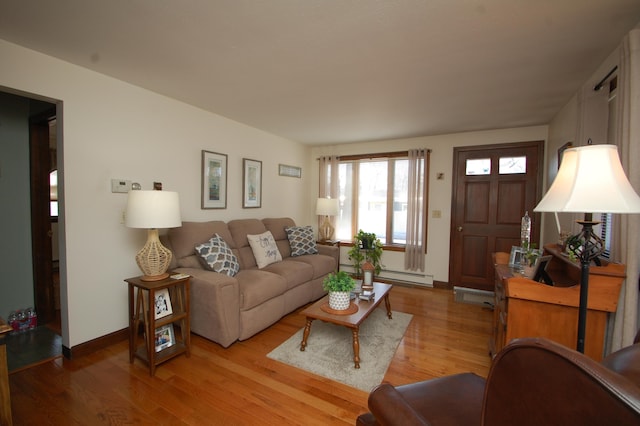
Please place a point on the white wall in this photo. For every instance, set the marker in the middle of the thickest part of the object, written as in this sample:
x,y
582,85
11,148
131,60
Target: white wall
x,y
437,257
111,129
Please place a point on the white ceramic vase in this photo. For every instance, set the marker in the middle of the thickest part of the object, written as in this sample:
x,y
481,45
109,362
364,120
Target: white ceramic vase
x,y
339,300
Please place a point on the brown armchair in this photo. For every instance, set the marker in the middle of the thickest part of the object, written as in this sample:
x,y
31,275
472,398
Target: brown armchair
x,y
532,381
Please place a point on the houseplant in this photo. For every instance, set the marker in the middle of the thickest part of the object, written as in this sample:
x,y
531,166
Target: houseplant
x,y
366,247
339,286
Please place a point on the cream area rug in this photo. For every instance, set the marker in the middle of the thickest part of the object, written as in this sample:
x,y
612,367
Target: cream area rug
x,y
329,351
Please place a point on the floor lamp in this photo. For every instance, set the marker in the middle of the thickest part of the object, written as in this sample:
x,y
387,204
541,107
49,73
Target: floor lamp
x,y
590,180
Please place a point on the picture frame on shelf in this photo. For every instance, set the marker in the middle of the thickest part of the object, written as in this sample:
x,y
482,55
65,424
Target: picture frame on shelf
x,y
289,171
515,258
251,183
162,303
164,337
214,180
540,270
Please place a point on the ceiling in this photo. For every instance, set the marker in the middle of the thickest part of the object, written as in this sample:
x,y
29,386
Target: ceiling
x,y
337,71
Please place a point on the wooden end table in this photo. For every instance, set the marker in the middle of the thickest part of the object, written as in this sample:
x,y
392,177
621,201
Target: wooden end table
x,y
351,321
142,310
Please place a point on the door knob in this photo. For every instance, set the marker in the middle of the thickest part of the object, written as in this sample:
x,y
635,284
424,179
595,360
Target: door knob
x,y
459,228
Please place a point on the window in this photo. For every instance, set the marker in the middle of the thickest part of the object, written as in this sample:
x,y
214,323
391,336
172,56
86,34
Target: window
x,y
606,219
373,195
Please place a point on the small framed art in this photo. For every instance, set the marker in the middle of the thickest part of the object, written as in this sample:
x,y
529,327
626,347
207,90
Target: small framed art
x,y
251,183
164,337
162,303
214,180
290,171
517,254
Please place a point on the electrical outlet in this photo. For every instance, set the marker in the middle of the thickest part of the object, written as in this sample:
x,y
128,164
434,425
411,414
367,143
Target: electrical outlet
x,y
120,186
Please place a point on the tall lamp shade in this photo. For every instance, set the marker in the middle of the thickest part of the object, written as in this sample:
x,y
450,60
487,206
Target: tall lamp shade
x,y
153,210
326,207
590,180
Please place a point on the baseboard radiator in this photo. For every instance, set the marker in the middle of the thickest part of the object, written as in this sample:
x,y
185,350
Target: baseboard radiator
x,y
400,277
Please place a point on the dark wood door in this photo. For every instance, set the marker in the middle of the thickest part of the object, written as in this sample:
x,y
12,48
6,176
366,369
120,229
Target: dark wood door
x,y
493,187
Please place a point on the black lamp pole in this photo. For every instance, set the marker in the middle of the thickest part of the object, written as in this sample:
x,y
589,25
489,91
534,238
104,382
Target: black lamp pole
x,y
587,246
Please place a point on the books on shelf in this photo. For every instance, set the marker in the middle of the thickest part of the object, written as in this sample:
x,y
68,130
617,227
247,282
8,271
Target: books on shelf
x,y
367,295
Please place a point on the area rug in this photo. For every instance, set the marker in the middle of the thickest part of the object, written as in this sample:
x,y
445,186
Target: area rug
x,y
329,351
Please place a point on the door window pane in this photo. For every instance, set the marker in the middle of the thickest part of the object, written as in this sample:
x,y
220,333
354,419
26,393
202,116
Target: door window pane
x,y
512,165
478,166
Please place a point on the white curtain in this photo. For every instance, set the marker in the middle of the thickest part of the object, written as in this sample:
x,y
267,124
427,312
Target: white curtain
x,y
328,182
626,239
414,252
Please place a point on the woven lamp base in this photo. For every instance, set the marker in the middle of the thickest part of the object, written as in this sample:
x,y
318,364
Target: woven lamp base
x,y
154,258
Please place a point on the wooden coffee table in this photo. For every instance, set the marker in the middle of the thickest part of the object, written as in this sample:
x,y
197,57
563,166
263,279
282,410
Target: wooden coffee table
x,y
351,321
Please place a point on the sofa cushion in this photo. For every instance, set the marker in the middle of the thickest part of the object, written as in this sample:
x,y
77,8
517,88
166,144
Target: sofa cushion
x,y
190,234
321,264
217,256
294,272
302,240
264,249
258,286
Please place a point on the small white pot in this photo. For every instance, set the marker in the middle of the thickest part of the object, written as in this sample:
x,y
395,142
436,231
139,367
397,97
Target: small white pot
x,y
339,300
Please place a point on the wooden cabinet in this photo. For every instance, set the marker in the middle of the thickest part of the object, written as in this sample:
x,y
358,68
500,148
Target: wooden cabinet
x,y
5,394
142,311
526,308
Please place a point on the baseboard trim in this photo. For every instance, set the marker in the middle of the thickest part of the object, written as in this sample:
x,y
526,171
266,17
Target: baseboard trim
x,y
96,344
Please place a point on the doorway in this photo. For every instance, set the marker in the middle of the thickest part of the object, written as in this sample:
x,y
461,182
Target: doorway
x,y
494,185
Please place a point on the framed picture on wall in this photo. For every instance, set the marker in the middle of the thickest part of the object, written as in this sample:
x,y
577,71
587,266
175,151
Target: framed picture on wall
x,y
214,180
251,183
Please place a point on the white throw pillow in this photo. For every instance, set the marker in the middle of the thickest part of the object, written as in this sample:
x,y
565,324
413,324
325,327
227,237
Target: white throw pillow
x,y
264,249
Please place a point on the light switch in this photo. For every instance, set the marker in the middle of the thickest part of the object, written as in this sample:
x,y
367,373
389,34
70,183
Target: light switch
x,y
120,185
436,214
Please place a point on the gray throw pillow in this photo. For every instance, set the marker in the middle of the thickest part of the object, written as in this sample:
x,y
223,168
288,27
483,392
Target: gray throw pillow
x,y
217,256
301,240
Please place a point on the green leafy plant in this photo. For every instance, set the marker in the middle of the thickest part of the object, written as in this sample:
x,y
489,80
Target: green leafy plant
x,y
531,253
339,281
366,248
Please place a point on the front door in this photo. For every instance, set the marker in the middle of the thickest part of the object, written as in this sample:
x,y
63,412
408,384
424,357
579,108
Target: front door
x,y
493,187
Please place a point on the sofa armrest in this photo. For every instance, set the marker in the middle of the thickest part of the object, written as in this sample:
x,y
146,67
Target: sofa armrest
x,y
390,408
333,251
215,305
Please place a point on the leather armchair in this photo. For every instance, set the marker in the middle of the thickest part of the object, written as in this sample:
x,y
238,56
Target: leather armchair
x,y
532,381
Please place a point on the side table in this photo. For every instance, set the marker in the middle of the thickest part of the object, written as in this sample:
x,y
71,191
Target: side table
x,y
142,310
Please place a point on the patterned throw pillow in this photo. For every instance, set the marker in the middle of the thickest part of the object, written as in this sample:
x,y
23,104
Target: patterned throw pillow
x,y
264,249
217,256
301,240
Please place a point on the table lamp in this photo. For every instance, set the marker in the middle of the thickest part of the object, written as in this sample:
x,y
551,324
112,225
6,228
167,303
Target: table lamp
x,y
590,180
153,210
326,207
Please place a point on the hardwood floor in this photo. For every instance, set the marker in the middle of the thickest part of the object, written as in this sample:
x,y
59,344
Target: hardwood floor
x,y
240,385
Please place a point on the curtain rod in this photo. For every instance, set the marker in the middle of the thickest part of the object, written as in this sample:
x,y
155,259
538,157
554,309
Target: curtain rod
x,y
394,154
601,82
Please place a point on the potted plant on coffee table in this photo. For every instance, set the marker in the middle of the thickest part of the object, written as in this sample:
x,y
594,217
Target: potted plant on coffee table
x,y
339,286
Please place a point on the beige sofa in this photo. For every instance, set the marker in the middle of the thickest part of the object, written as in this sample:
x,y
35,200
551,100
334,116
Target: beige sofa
x,y
228,308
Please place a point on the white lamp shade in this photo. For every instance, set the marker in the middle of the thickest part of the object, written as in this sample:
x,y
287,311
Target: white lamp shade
x,y
590,180
327,207
153,210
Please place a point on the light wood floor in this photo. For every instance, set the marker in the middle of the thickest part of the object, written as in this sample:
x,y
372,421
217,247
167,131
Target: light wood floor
x,y
240,385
